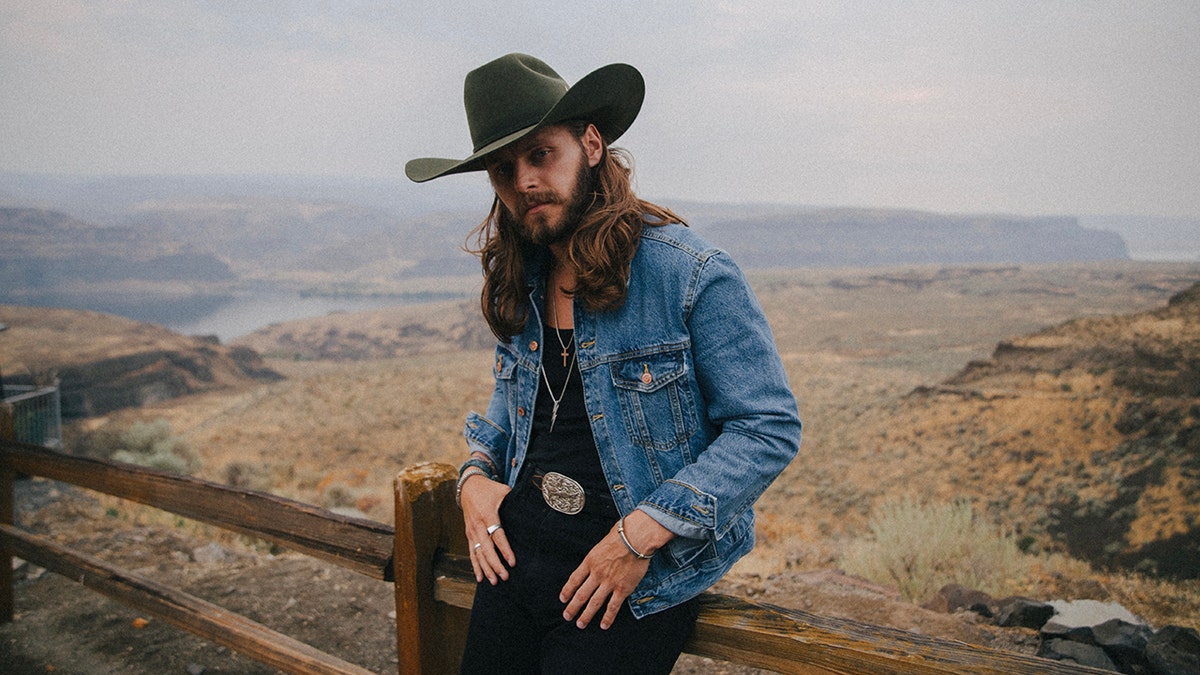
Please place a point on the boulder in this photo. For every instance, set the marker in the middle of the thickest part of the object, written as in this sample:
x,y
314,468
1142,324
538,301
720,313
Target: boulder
x,y
1024,613
1174,650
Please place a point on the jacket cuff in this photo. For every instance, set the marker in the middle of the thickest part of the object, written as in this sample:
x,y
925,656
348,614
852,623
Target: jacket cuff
x,y
682,509
485,436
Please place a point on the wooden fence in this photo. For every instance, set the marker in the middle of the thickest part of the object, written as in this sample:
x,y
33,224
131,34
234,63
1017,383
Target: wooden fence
x,y
424,557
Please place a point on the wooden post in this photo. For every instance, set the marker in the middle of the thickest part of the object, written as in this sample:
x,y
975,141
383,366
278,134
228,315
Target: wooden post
x,y
429,634
7,510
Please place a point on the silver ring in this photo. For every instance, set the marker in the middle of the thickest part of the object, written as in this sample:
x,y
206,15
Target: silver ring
x,y
492,529
478,546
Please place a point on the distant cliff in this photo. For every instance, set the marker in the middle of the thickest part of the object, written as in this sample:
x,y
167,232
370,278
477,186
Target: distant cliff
x,y
788,238
42,249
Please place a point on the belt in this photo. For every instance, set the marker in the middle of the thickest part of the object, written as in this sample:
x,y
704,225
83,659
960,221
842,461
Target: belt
x,y
565,495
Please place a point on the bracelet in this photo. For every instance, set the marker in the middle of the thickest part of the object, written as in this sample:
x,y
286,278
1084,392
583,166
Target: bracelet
x,y
482,464
470,471
621,531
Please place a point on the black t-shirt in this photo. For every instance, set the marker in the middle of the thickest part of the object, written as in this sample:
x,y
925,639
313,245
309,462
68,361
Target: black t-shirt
x,y
569,448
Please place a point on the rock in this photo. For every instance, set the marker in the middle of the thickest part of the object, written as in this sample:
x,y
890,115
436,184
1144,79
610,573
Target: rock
x,y
1070,614
1024,613
1077,652
1124,642
1174,650
211,552
953,597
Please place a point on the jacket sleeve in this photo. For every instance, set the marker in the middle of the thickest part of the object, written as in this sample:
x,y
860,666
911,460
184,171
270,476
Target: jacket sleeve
x,y
489,433
747,400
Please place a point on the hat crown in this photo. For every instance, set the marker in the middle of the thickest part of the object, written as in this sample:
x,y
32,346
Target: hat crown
x,y
508,94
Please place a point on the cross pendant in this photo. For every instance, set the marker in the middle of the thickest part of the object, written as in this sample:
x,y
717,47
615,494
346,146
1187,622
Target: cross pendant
x,y
565,353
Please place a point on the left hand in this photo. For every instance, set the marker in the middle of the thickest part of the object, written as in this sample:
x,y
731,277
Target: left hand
x,y
610,572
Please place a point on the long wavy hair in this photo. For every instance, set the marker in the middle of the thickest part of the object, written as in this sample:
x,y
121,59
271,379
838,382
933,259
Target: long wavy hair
x,y
600,248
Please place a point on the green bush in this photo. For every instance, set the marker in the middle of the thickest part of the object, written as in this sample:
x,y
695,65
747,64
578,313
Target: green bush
x,y
921,547
147,444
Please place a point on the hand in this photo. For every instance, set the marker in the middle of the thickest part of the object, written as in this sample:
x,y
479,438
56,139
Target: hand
x,y
481,499
610,572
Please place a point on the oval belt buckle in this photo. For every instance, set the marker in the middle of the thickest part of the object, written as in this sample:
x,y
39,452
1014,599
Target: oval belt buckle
x,y
563,494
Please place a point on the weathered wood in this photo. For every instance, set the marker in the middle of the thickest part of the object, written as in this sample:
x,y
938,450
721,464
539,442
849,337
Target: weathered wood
x,y
793,641
361,545
186,611
429,634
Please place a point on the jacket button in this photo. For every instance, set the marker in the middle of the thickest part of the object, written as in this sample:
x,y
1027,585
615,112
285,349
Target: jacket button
x,y
521,411
514,462
533,346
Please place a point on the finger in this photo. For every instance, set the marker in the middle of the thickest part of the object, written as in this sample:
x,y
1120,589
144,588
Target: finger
x,y
580,598
500,539
492,560
574,583
595,604
475,566
610,614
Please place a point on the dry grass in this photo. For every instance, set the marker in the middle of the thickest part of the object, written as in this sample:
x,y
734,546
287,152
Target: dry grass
x,y
855,344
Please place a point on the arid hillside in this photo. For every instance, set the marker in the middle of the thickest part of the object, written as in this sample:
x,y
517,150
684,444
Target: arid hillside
x,y
1081,437
901,384
105,363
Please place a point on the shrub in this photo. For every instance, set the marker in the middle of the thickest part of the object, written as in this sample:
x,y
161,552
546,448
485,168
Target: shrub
x,y
147,444
920,548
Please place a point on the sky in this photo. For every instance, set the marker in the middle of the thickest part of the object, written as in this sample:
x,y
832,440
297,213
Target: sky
x,y
1001,106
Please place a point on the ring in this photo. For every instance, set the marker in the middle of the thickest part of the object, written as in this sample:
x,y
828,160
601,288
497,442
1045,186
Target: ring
x,y
478,546
492,529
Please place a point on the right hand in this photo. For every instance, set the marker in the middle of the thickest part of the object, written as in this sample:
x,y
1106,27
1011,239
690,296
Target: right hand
x,y
481,499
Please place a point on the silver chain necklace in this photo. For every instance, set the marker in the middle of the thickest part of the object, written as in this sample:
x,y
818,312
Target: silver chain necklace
x,y
570,368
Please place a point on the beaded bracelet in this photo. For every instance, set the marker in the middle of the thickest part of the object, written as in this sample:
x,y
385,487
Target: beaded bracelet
x,y
621,531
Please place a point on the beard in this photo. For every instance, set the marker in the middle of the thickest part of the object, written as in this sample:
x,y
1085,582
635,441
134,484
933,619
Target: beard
x,y
541,228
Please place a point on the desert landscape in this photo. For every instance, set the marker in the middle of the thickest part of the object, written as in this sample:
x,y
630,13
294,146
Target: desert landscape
x,y
1055,399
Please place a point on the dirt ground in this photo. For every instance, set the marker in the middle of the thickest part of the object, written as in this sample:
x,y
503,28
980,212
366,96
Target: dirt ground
x,y
63,627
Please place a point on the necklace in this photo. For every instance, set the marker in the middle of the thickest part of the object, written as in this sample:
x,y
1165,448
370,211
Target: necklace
x,y
554,307
566,380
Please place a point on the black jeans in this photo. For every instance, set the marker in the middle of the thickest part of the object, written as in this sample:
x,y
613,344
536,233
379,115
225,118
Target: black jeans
x,y
517,625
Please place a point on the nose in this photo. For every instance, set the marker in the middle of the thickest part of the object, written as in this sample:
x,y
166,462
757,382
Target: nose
x,y
524,176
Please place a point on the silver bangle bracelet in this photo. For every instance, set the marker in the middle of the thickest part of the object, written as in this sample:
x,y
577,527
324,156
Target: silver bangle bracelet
x,y
470,471
621,531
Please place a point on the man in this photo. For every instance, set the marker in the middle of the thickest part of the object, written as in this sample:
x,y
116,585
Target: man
x,y
640,406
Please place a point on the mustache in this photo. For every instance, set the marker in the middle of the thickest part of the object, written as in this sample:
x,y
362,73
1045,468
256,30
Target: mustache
x,y
532,199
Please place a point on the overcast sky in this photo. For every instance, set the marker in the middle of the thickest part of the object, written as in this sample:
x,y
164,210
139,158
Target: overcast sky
x,y
1037,107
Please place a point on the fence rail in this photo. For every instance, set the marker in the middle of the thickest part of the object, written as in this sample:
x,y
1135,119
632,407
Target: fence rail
x,y
424,557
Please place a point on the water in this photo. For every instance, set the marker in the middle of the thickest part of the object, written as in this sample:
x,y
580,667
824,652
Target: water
x,y
245,314
227,316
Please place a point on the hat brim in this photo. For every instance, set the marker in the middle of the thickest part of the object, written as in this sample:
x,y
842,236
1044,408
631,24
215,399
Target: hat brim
x,y
609,97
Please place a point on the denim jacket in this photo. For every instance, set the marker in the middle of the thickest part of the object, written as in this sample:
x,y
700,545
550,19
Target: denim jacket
x,y
688,400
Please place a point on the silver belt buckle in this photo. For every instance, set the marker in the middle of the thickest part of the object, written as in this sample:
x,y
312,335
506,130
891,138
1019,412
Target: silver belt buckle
x,y
563,494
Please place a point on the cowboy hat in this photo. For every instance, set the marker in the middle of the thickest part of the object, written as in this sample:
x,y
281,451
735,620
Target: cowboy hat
x,y
517,94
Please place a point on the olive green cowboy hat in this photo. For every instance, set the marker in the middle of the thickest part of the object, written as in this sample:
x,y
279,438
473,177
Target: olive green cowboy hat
x,y
516,95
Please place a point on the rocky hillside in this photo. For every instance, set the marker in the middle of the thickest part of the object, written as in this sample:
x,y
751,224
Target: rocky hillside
x,y
104,362
1085,436
405,330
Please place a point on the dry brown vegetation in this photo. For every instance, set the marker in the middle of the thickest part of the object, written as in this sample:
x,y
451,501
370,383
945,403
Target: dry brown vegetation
x,y
857,344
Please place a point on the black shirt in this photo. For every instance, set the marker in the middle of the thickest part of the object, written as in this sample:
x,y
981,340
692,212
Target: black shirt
x,y
568,448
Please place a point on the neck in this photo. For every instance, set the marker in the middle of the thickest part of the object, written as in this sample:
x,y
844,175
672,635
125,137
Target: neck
x,y
559,283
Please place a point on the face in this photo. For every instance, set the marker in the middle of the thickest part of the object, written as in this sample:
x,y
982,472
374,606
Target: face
x,y
543,180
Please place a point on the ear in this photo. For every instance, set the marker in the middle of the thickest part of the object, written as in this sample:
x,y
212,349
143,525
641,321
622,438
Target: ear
x,y
593,145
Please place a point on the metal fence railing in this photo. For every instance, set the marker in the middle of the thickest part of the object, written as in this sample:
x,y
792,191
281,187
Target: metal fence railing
x,y
36,414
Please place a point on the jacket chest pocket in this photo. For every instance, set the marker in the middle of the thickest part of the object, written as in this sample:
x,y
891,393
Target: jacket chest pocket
x,y
656,402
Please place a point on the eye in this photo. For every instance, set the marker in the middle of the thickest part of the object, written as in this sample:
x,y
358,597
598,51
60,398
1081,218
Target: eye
x,y
539,155
501,170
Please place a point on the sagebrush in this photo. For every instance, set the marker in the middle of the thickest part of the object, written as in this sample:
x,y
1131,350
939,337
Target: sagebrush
x,y
919,548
